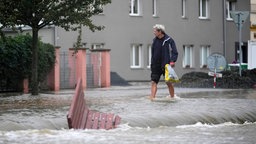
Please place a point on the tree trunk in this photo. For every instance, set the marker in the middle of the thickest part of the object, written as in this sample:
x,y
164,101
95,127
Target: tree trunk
x,y
34,79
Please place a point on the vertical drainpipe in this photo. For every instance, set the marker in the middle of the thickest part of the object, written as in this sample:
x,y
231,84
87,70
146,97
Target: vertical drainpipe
x,y
55,36
224,29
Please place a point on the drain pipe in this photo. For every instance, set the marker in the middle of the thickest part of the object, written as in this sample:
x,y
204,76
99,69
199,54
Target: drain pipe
x,y
56,37
224,29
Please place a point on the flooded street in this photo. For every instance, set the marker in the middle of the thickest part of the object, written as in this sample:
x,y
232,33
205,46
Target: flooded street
x,y
198,116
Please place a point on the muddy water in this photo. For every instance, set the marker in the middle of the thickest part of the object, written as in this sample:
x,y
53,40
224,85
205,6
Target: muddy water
x,y
199,116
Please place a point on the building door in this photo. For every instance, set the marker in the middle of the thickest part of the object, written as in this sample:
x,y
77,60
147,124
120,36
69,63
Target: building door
x,y
244,52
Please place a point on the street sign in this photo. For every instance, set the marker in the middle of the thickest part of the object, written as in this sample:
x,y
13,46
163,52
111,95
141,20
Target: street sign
x,y
239,17
216,62
219,75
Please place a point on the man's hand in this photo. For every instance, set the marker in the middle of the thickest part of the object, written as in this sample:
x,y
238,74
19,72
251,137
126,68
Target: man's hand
x,y
172,64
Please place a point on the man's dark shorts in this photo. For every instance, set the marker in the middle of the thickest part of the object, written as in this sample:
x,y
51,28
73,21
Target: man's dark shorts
x,y
156,72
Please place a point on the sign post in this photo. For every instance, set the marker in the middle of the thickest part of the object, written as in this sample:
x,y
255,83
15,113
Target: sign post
x,y
216,63
239,18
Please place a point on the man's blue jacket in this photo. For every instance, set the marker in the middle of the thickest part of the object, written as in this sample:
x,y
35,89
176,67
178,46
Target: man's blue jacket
x,y
168,51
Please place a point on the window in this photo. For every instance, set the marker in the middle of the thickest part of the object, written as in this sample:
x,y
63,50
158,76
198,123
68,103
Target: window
x,y
154,8
187,56
183,8
97,46
135,9
136,56
149,56
230,6
203,9
204,53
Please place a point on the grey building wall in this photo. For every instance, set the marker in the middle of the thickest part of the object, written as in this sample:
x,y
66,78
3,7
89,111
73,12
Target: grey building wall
x,y
233,33
122,30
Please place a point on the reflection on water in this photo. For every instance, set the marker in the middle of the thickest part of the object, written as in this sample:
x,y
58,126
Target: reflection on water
x,y
200,116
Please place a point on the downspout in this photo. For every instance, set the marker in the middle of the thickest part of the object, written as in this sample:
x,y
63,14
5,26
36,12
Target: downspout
x,y
224,29
56,36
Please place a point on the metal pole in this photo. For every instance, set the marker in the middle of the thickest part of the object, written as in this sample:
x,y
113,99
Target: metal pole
x,y
215,71
214,78
224,29
240,41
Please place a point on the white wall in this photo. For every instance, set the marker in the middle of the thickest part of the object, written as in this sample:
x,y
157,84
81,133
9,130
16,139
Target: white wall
x,y
251,54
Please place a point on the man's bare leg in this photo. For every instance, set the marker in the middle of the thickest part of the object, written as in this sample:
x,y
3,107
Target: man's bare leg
x,y
153,90
171,89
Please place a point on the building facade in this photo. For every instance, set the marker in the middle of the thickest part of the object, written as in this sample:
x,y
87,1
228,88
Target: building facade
x,y
199,28
253,20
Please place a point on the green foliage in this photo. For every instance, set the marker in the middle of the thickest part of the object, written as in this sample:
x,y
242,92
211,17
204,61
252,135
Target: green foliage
x,y
78,43
46,60
68,14
14,55
40,13
16,58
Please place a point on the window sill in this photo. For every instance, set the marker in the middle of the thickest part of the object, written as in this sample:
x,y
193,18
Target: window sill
x,y
135,15
135,67
204,18
184,17
155,16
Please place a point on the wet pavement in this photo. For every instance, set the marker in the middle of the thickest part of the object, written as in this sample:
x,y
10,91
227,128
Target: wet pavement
x,y
199,116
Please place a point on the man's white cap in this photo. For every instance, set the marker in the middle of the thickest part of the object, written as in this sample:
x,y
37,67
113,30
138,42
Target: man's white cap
x,y
159,27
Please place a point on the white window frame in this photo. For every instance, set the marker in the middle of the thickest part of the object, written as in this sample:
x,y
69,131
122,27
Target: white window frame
x,y
204,53
201,13
230,6
134,54
135,3
149,55
183,8
188,56
154,8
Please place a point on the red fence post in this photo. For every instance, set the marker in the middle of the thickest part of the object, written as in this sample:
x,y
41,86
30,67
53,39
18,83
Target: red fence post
x,y
80,65
105,68
54,76
57,70
25,86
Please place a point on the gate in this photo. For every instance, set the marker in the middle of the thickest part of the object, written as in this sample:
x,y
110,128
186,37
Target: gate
x,y
68,68
93,69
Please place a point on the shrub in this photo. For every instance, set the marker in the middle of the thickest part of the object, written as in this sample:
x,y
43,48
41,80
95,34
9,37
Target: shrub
x,y
16,59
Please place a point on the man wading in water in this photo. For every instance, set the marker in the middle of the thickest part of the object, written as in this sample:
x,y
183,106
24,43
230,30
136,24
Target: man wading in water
x,y
164,52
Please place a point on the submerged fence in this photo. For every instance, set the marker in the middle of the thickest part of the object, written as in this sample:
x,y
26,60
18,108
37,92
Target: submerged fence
x,y
92,66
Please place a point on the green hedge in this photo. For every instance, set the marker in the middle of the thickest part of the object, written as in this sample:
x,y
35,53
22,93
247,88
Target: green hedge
x,y
16,60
